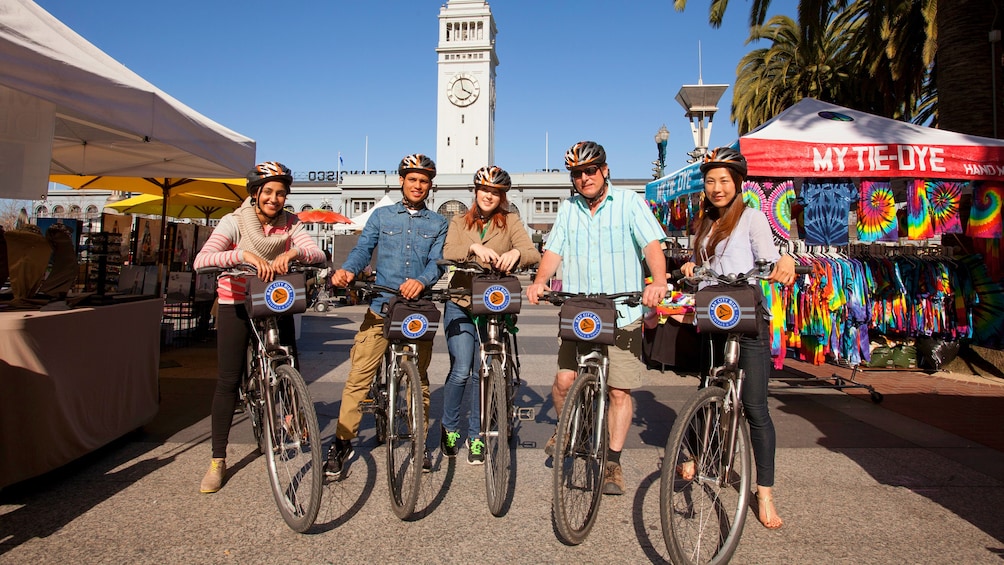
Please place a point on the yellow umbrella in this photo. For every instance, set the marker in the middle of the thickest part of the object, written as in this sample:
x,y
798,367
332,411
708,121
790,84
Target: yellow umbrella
x,y
179,206
220,188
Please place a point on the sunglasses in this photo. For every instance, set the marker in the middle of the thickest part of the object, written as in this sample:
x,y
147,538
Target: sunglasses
x,y
588,171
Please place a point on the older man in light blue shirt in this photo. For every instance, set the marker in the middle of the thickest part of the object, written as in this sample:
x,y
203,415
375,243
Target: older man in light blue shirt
x,y
600,237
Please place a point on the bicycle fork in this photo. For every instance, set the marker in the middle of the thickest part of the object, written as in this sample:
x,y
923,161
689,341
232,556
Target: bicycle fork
x,y
731,377
601,363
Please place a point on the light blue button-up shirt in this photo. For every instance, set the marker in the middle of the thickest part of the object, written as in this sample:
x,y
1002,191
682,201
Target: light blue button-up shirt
x,y
407,245
603,252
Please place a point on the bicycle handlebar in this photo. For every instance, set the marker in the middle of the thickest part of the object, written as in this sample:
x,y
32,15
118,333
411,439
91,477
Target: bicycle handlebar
x,y
761,270
242,269
437,295
557,297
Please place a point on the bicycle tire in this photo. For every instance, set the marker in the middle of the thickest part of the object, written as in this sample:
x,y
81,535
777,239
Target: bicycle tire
x,y
294,454
405,438
254,404
579,463
703,517
498,453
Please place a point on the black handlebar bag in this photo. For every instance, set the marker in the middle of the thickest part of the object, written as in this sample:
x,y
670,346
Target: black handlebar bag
x,y
285,294
493,294
724,308
411,320
590,320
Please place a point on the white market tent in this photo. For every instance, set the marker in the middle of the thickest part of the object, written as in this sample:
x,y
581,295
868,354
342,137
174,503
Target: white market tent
x,y
69,108
359,222
814,139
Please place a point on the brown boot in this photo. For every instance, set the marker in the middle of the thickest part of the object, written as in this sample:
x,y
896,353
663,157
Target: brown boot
x,y
213,480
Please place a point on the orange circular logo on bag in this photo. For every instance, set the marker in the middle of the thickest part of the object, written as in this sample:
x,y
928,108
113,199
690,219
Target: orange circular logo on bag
x,y
279,296
724,312
496,298
414,326
587,325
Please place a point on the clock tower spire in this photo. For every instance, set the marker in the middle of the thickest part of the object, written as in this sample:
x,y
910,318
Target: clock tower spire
x,y
465,107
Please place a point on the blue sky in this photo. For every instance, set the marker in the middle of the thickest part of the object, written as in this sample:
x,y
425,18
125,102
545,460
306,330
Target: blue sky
x,y
309,79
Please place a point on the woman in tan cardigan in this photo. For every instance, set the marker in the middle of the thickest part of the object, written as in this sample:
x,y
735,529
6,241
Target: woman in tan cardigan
x,y
491,235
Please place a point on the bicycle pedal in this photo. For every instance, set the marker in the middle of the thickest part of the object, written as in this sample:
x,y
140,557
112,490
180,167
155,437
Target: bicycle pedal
x,y
525,413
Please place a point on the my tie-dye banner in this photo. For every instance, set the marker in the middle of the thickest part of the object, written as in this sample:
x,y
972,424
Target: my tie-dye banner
x,y
877,213
985,217
918,211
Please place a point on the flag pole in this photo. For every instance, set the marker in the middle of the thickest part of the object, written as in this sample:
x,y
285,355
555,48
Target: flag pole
x,y
338,175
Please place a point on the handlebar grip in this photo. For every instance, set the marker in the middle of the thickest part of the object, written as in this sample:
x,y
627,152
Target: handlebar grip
x,y
803,270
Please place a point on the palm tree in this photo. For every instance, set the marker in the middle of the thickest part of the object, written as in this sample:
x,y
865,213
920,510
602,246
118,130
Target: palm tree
x,y
768,80
929,59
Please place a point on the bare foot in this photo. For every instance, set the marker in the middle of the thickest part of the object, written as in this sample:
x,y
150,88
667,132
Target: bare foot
x,y
686,470
767,513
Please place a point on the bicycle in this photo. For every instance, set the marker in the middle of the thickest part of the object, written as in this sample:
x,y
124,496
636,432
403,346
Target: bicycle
x,y
275,397
395,397
703,513
495,301
581,439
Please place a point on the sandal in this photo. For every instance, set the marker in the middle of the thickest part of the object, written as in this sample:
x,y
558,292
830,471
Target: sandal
x,y
686,470
768,517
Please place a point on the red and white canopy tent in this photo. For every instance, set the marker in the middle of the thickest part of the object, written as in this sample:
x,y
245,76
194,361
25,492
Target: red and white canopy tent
x,y
815,139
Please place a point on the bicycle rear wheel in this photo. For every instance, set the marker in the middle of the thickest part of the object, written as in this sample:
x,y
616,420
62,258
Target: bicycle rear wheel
x,y
703,516
405,438
294,455
581,455
498,454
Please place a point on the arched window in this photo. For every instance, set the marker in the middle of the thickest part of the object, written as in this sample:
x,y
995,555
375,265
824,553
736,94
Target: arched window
x,y
74,211
41,212
452,208
306,207
91,211
58,211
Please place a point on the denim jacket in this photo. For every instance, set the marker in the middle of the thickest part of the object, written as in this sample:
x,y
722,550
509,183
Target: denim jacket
x,y
408,246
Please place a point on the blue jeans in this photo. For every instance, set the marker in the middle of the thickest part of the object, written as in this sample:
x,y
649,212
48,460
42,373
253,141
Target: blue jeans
x,y
463,343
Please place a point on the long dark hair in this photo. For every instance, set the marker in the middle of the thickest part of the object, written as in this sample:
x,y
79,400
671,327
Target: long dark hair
x,y
474,219
727,217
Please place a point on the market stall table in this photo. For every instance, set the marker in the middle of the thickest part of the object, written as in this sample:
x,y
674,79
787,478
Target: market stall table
x,y
73,381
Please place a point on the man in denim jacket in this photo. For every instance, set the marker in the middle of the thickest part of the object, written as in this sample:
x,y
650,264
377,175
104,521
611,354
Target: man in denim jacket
x,y
409,240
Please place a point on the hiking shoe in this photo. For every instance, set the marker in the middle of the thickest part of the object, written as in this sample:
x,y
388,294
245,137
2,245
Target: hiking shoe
x,y
475,451
338,455
426,461
213,481
449,443
613,479
549,447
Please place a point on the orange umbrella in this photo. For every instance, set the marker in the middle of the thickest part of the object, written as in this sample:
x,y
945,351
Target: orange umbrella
x,y
318,216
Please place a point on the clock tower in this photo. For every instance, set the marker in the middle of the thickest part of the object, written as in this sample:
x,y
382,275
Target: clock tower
x,y
465,106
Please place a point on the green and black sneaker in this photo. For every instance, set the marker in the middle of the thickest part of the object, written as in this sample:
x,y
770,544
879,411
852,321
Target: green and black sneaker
x,y
450,443
475,451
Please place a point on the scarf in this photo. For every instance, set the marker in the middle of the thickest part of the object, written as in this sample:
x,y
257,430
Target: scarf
x,y
253,236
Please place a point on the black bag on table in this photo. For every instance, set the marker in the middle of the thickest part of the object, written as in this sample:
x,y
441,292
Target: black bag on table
x,y
491,294
724,308
590,320
285,294
411,320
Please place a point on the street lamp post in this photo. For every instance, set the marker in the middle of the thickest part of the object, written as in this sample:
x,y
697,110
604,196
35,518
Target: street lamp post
x,y
661,139
701,102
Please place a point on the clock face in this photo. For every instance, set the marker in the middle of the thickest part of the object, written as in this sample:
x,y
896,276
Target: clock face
x,y
463,89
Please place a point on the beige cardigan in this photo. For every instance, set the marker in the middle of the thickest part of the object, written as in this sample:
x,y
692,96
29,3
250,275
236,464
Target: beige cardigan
x,y
458,247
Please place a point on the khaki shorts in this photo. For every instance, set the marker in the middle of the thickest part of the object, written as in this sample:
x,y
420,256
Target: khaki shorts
x,y
626,367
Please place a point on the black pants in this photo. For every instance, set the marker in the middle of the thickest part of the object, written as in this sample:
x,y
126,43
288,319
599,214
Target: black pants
x,y
754,360
232,333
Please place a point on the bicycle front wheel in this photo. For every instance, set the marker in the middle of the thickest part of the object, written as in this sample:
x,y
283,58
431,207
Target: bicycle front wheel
x,y
405,438
293,454
580,458
254,404
498,454
703,507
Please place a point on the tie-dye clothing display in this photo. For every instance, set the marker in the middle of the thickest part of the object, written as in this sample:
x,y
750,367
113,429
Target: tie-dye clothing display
x,y
877,213
985,217
774,198
946,198
918,211
826,213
